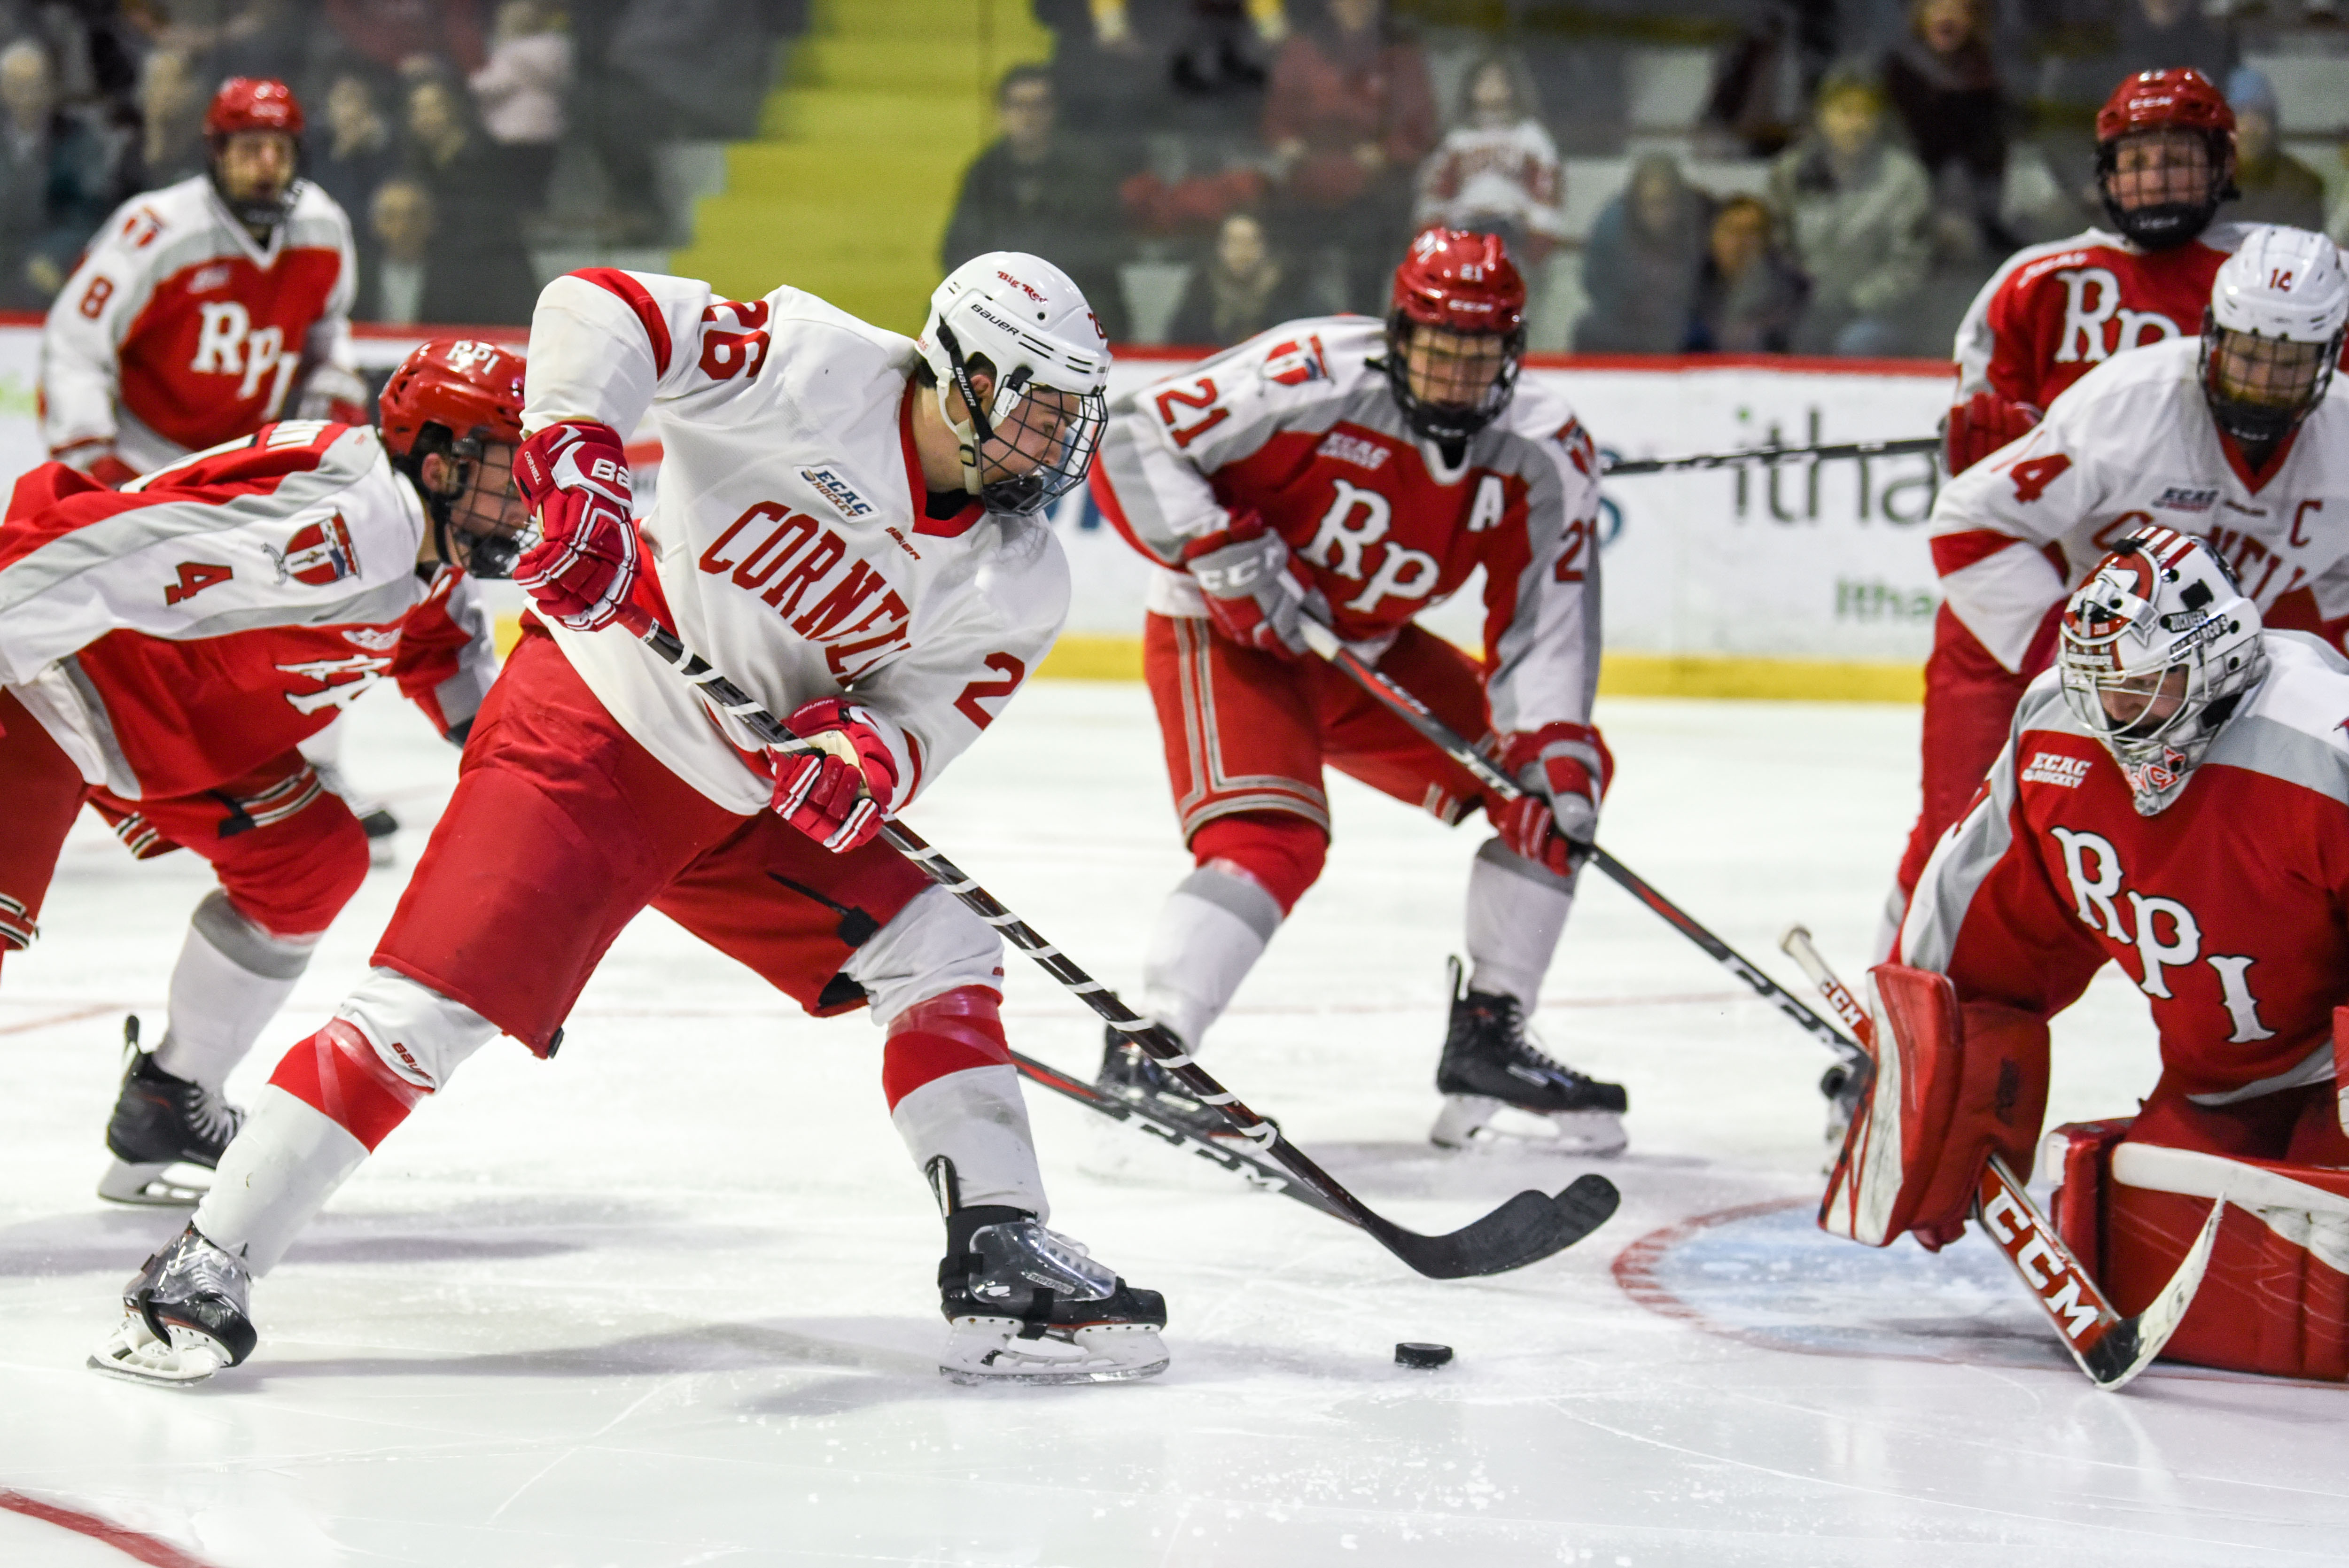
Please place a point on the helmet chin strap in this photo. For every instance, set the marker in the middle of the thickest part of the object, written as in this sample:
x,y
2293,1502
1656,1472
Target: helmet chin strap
x,y
974,432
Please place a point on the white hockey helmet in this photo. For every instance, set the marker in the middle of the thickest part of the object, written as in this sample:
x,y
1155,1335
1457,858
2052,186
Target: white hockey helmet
x,y
1040,340
2158,647
2273,332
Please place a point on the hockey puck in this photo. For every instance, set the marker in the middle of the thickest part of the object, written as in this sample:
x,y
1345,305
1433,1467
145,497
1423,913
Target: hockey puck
x,y
1411,1353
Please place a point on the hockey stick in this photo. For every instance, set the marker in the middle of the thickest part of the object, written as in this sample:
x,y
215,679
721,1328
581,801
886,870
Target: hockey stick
x,y
1527,1228
1905,448
2110,1349
1413,712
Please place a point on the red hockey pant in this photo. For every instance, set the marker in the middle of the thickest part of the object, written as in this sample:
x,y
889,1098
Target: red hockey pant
x,y
1247,733
289,855
563,827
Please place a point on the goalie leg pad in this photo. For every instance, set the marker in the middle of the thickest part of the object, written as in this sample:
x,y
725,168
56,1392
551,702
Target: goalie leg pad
x,y
1952,1085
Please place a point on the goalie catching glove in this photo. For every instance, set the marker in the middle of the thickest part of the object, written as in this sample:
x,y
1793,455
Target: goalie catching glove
x,y
838,797
575,477
1254,595
1563,769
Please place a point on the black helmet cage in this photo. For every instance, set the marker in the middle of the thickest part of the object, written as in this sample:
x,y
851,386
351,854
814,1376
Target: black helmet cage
x,y
2261,425
488,555
2165,225
1447,423
255,215
1073,444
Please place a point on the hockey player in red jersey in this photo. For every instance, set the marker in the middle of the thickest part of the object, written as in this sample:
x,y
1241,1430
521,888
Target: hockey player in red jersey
x,y
2174,800
2232,435
847,527
2165,162
166,647
1358,472
207,309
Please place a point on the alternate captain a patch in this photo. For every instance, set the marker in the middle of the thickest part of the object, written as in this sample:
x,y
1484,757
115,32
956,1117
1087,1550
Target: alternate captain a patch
x,y
317,555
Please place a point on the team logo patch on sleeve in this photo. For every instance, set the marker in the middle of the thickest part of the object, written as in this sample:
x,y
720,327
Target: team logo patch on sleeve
x,y
317,555
1296,361
2054,767
843,499
2183,498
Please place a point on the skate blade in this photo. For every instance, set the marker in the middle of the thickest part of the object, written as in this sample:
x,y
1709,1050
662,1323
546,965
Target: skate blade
x,y
1473,1122
133,1353
166,1184
982,1350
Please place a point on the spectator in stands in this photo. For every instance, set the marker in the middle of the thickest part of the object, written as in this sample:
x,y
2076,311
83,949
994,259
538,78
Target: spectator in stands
x,y
394,33
1497,170
1944,85
1748,298
1858,211
269,39
2157,35
1349,115
171,102
399,285
1640,268
54,180
358,151
1241,290
1755,104
476,234
521,91
1035,191
2276,187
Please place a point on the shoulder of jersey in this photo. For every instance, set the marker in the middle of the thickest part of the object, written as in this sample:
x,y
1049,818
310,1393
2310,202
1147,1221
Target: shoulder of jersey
x,y
2032,264
180,207
814,342
1538,411
318,218
2306,691
1026,581
2227,236
2153,372
1299,361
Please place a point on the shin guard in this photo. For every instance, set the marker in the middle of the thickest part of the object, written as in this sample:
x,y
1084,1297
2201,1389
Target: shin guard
x,y
953,1093
337,1072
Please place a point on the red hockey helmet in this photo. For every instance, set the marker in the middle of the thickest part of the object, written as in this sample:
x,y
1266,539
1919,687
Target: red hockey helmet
x,y
2182,99
253,103
1459,282
458,397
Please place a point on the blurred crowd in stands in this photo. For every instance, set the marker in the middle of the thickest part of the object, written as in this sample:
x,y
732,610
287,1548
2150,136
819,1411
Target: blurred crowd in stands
x,y
479,146
1673,176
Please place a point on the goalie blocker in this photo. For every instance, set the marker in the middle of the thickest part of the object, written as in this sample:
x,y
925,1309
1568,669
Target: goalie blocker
x,y
1957,1084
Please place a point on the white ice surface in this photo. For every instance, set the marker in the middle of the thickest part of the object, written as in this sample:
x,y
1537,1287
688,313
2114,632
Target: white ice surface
x,y
669,1298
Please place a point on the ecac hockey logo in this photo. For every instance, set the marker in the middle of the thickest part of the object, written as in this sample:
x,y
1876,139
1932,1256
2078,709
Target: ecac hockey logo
x,y
317,555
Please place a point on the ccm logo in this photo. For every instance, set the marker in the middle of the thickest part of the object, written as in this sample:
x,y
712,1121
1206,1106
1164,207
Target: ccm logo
x,y
2011,1228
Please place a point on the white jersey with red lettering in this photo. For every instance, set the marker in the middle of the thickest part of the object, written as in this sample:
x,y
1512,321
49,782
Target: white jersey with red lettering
x,y
2132,443
1296,426
178,332
2055,312
2229,910
179,633
790,544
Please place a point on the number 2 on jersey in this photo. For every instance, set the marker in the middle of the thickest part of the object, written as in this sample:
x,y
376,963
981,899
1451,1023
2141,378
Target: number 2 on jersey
x,y
1202,397
1014,672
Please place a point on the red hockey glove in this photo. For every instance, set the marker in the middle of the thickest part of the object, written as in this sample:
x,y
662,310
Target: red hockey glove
x,y
1563,769
1981,426
837,797
1253,593
575,478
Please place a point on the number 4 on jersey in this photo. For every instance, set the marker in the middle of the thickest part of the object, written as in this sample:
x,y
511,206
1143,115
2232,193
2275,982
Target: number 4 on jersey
x,y
2033,476
195,576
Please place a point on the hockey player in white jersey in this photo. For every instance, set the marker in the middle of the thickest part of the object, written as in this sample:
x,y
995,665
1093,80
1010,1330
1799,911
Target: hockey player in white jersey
x,y
847,527
2240,438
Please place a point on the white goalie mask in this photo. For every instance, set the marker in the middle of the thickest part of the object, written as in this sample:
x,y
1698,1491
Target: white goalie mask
x,y
1019,319
2158,647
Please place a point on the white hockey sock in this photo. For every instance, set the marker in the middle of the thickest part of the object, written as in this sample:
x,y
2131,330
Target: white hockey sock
x,y
230,980
1211,931
976,1120
1516,912
278,1171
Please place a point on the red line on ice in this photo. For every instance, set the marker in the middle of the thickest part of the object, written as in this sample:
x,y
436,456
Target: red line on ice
x,y
1635,1265
151,1550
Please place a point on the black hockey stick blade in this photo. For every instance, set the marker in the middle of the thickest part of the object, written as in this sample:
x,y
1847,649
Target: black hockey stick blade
x,y
1526,1229
2130,1346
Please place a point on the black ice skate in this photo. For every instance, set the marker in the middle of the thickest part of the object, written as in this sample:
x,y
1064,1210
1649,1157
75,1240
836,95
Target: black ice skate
x,y
1491,1068
185,1315
1130,1074
1026,1305
160,1122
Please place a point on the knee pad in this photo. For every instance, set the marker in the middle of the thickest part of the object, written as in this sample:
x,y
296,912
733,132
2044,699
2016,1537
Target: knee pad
x,y
1952,1085
963,1028
319,859
930,947
419,1035
1281,851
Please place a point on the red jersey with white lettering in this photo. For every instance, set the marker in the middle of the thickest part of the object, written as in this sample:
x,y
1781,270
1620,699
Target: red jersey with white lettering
x,y
1296,425
2132,443
2229,910
178,332
180,631
2055,312
789,543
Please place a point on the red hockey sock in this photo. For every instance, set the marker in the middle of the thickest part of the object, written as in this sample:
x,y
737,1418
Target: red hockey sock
x,y
959,1030
338,1072
1279,849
